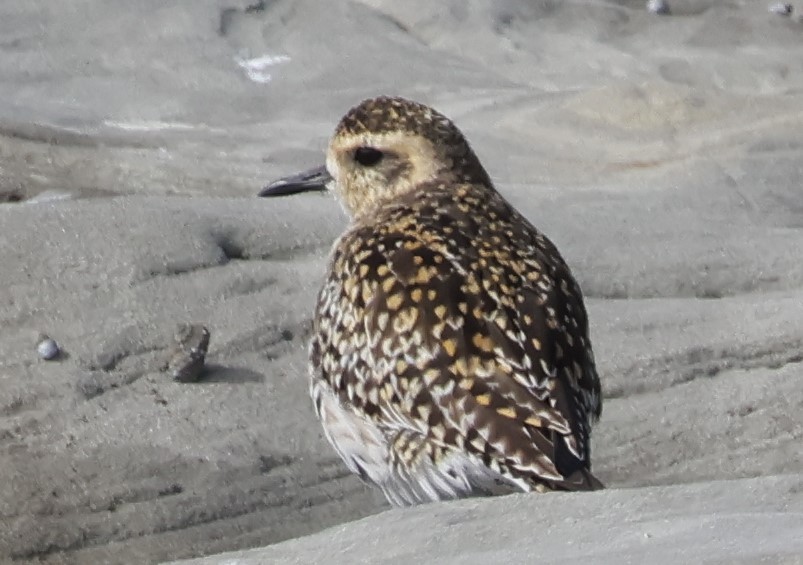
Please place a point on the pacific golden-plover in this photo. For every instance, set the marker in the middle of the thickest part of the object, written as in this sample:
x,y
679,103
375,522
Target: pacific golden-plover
x,y
450,354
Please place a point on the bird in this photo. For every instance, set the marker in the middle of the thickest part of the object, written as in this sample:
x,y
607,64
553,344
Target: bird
x,y
450,354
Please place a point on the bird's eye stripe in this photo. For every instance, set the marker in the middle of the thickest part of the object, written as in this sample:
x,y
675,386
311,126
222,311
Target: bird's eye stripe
x,y
367,156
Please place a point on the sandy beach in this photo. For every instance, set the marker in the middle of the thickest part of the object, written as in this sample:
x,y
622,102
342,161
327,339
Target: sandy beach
x,y
663,154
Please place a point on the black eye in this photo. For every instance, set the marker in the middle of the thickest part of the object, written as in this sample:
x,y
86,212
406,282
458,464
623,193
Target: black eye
x,y
368,156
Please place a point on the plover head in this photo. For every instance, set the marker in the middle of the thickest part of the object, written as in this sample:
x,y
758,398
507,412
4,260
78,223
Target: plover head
x,y
383,148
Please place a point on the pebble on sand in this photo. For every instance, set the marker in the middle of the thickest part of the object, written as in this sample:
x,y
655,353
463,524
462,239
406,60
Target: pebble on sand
x,y
658,7
781,8
186,356
47,348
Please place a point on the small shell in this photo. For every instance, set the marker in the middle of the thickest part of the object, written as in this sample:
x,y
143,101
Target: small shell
x,y
658,7
781,8
47,348
185,358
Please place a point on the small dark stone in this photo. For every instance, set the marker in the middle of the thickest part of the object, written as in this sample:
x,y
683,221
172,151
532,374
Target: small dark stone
x,y
185,359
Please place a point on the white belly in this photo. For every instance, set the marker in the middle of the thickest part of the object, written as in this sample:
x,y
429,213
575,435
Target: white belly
x,y
365,448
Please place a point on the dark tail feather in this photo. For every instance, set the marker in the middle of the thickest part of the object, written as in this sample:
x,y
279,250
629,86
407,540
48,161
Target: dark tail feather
x,y
580,480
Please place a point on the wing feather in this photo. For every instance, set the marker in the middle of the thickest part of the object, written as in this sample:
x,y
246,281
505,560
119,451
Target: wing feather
x,y
475,339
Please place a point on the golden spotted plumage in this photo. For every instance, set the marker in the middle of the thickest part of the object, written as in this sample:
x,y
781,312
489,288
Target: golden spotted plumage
x,y
450,354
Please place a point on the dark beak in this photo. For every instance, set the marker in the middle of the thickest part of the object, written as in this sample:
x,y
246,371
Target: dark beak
x,y
314,179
